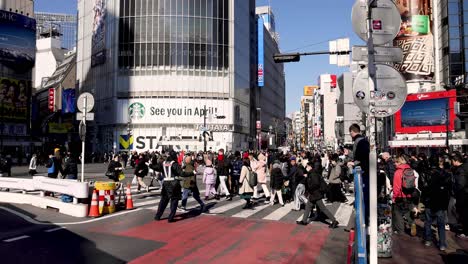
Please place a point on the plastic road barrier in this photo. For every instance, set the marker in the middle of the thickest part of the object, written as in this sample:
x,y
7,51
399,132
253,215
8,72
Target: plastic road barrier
x,y
106,197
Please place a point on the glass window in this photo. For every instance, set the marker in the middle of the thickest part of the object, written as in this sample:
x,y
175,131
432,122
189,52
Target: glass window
x,y
226,9
465,18
465,30
454,45
131,8
197,10
149,7
454,32
155,7
161,28
209,8
220,8
180,7
215,8
454,21
137,29
186,55
167,7
203,8
453,8
137,7
192,8
144,7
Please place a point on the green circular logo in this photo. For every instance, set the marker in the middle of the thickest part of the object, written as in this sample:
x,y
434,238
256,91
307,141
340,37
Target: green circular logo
x,y
136,111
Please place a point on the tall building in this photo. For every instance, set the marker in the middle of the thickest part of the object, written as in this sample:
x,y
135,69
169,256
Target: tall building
x,y
328,87
164,71
271,93
57,25
17,57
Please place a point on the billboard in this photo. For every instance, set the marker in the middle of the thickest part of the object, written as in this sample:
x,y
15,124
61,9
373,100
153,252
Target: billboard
x,y
17,41
98,55
416,40
14,99
426,112
126,142
309,90
261,55
68,101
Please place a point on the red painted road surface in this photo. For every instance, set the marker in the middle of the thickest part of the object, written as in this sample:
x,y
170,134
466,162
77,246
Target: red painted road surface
x,y
213,239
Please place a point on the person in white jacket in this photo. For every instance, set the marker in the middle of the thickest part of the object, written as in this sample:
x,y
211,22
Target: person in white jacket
x,y
33,165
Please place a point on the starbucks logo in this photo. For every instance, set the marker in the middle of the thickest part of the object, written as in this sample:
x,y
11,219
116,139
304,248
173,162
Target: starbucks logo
x,y
136,111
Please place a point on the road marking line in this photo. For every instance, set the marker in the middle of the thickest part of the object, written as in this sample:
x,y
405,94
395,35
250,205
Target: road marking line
x,y
15,238
227,207
54,229
279,213
250,212
343,213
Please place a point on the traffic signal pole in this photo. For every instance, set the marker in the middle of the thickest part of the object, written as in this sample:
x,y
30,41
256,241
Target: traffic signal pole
x,y
370,131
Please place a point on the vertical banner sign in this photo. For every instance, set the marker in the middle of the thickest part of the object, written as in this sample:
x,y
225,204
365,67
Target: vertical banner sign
x,y
99,33
261,73
416,40
51,99
68,101
332,81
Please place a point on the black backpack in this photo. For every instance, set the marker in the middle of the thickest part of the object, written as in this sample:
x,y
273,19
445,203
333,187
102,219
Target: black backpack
x,y
408,181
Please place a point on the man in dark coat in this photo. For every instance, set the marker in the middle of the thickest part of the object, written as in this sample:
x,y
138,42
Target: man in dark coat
x,y
172,189
190,185
315,189
461,191
436,198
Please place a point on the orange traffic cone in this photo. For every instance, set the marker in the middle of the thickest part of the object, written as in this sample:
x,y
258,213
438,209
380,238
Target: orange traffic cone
x,y
129,205
94,208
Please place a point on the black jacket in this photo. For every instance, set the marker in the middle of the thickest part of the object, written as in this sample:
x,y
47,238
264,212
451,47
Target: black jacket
x,y
390,169
71,167
461,182
437,194
112,168
361,150
141,169
173,189
314,186
276,180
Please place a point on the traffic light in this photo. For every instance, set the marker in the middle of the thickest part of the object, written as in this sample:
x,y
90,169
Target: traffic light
x,y
287,57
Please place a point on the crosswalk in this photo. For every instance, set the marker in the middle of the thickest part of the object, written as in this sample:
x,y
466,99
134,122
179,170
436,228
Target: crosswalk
x,y
150,200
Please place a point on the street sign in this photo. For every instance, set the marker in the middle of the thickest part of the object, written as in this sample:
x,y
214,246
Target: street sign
x,y
339,45
89,102
390,96
381,54
89,116
386,20
82,130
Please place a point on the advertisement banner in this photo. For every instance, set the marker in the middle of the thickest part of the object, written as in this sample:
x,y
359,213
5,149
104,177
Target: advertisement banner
x,y
68,101
309,90
126,142
14,129
14,99
56,128
416,40
261,72
17,41
175,111
99,33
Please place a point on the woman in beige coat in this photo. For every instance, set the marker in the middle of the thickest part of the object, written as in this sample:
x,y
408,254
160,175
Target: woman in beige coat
x,y
260,168
246,190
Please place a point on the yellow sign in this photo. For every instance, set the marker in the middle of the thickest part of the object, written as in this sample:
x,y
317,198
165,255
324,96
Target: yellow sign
x,y
309,90
56,128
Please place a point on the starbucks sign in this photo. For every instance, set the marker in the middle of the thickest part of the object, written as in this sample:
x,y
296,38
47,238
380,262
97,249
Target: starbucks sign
x,y
136,111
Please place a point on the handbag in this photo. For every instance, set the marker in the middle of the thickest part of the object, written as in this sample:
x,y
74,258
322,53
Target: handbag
x,y
134,181
121,176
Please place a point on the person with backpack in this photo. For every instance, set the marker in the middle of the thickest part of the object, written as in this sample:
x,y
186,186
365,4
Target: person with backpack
x,y
54,165
247,179
209,179
404,187
235,174
315,188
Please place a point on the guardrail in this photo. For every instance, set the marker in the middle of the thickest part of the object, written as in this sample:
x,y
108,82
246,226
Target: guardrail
x,y
361,231
78,190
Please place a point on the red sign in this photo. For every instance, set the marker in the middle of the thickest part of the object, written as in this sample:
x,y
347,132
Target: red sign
x,y
427,112
259,124
333,81
377,24
51,99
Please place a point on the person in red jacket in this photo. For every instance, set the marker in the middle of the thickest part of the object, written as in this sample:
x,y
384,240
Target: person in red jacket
x,y
402,202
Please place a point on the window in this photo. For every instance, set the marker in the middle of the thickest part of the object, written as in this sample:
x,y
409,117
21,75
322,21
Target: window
x,y
453,8
174,33
454,20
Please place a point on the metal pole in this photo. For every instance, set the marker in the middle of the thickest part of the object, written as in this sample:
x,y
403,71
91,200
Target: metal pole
x,y
372,173
85,101
447,144
1,127
204,127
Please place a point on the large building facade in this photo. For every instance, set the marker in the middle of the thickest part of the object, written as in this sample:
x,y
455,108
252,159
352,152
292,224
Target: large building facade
x,y
163,72
64,25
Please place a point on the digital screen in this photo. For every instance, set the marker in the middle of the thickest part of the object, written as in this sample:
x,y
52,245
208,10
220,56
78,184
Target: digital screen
x,y
424,113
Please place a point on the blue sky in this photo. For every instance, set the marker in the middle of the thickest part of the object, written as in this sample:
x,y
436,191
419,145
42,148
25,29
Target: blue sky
x,y
300,23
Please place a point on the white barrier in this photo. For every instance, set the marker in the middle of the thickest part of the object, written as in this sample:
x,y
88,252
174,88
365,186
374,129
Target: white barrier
x,y
44,184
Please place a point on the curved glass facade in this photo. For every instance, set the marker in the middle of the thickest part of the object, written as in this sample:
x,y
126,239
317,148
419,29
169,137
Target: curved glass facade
x,y
187,34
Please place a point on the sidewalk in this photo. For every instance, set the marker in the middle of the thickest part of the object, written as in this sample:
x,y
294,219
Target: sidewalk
x,y
411,250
